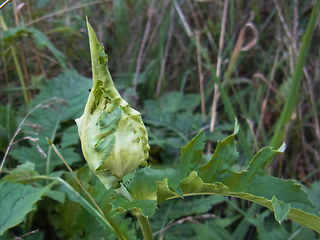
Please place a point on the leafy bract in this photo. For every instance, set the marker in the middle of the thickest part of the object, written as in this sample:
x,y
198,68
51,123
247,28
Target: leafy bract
x,y
16,200
113,137
60,101
285,197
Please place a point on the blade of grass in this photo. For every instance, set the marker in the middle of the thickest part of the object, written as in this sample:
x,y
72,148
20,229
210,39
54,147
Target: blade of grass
x,y
286,113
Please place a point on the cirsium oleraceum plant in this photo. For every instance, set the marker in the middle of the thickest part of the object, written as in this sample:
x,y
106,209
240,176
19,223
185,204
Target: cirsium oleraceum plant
x,y
115,142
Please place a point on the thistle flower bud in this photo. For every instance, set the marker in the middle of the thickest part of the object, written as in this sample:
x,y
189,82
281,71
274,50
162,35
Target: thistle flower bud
x,y
113,137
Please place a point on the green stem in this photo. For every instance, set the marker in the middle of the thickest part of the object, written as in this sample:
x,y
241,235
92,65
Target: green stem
x,y
286,113
145,227
143,221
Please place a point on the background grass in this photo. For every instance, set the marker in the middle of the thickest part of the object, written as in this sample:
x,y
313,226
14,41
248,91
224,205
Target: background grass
x,y
163,56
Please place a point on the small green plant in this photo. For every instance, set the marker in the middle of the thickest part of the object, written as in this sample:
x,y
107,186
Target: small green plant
x,y
197,196
114,142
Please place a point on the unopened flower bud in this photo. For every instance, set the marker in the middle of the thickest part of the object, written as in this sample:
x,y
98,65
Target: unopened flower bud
x,y
113,137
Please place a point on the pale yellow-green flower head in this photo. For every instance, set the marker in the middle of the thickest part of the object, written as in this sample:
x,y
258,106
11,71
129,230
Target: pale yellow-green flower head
x,y
113,137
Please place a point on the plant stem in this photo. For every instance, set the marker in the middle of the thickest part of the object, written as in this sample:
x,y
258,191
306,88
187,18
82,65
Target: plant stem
x,y
145,227
143,221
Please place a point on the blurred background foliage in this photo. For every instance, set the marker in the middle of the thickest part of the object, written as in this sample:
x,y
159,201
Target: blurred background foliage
x,y
163,56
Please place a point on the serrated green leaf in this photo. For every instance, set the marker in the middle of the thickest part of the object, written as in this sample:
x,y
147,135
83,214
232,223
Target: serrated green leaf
x,y
164,192
252,184
61,102
157,187
281,209
192,183
144,183
191,155
147,207
16,200
258,163
287,191
222,159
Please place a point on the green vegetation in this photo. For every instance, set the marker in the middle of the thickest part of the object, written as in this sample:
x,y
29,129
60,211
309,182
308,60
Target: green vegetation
x,y
216,84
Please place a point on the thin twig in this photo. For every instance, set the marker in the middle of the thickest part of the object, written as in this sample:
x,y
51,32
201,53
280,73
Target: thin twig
x,y
74,175
254,40
30,233
264,80
239,47
183,19
283,21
